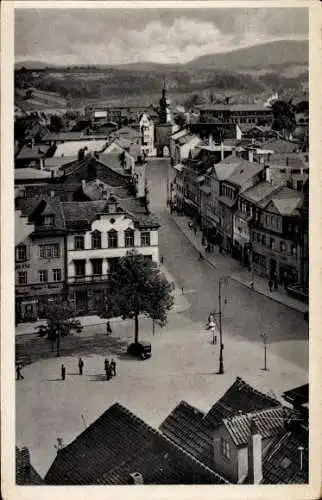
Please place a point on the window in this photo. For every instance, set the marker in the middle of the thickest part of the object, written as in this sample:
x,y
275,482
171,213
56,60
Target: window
x,y
22,278
79,268
49,220
148,258
253,236
112,238
263,239
293,249
97,266
129,238
56,274
282,246
21,252
43,276
49,251
145,239
272,243
225,449
79,242
96,240
112,264
259,259
258,237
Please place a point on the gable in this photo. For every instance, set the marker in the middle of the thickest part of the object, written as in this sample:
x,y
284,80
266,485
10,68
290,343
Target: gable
x,y
272,208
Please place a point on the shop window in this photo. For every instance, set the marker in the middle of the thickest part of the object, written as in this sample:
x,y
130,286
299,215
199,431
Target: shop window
x,y
22,278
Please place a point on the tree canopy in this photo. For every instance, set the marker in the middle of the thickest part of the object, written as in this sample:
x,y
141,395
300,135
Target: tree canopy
x,y
60,316
180,120
138,287
284,116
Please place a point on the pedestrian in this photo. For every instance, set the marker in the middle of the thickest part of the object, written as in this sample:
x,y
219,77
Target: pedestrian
x,y
107,368
182,290
275,281
113,368
200,256
80,366
108,328
195,229
270,285
162,259
63,372
18,372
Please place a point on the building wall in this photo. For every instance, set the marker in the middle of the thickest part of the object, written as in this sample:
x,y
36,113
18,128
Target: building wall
x,y
227,468
147,135
122,222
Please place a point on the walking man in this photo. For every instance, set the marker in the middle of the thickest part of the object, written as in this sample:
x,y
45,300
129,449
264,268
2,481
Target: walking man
x,y
63,372
80,366
107,368
18,372
108,328
162,259
195,229
270,285
113,368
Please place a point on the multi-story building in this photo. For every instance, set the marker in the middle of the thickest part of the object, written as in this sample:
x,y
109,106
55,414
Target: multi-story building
x,y
74,246
40,263
275,236
236,114
146,125
99,233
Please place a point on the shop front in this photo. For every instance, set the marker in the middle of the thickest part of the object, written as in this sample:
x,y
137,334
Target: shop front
x,y
32,300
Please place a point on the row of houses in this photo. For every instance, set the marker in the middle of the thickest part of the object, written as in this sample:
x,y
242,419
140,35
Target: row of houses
x,y
250,201
246,437
71,230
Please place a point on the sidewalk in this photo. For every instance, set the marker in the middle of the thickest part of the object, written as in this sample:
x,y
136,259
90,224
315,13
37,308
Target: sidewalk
x,y
238,273
181,304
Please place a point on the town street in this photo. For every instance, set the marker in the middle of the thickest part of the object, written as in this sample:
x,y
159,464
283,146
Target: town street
x,y
247,314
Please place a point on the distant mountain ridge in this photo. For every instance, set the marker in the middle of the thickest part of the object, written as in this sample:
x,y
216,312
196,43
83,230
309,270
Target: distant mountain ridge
x,y
277,53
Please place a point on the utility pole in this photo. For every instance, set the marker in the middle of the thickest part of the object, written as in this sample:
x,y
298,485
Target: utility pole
x,y
221,358
300,448
264,337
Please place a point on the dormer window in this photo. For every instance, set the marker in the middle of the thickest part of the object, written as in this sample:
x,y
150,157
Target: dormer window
x,y
49,220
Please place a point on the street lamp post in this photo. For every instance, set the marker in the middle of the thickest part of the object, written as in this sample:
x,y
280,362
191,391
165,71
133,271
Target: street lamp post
x,y
264,337
221,346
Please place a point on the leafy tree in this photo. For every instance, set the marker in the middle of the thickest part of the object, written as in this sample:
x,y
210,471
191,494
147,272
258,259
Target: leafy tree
x,y
180,120
138,287
56,123
284,116
60,322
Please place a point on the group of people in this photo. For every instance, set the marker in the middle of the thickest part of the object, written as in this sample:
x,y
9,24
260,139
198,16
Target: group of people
x,y
110,368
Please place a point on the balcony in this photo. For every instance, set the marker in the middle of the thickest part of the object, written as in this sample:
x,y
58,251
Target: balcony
x,y
93,278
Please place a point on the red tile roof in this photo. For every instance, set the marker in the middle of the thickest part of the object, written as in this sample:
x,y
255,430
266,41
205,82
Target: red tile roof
x,y
118,444
239,397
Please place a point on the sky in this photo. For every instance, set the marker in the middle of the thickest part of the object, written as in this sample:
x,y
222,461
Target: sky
x,y
119,36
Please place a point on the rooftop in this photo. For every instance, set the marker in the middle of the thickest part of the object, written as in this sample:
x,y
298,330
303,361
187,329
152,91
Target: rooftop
x,y
281,146
117,444
259,192
239,397
244,172
286,201
269,422
32,152
234,107
25,472
282,463
298,394
22,174
71,148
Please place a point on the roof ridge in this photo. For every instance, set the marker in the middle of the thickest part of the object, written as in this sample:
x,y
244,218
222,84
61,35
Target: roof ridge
x,y
239,379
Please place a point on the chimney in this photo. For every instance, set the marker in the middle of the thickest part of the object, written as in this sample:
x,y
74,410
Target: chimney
x,y
83,182
32,142
250,155
136,478
41,163
268,174
255,472
52,194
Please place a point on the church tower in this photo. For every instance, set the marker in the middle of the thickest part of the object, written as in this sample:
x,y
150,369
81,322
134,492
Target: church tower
x,y
163,106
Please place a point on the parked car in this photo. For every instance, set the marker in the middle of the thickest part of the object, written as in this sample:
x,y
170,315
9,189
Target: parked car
x,y
141,350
